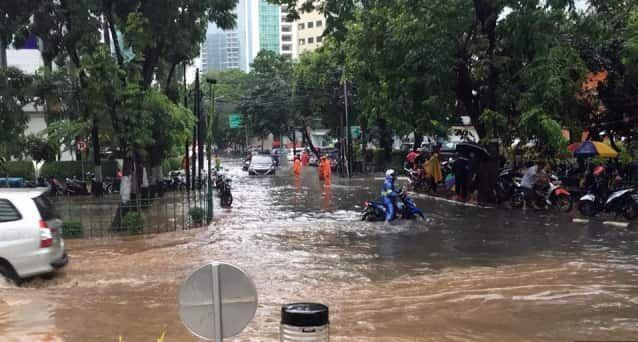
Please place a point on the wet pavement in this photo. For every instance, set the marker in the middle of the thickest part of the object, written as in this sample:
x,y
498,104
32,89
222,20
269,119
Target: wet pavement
x,y
464,274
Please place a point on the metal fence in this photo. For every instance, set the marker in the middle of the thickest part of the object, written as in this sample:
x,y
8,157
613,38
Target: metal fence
x,y
105,216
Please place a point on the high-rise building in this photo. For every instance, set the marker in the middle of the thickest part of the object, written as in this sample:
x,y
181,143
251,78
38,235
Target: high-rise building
x,y
309,28
288,47
269,26
234,48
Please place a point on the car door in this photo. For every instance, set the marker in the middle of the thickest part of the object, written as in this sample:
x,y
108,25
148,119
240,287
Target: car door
x,y
18,240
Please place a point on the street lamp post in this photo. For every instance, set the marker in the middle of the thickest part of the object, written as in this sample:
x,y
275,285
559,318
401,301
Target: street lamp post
x,y
209,142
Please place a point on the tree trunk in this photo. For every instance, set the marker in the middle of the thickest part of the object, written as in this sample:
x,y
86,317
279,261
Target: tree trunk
x,y
306,136
3,54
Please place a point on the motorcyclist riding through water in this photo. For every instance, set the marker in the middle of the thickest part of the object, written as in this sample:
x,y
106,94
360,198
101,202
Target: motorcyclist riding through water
x,y
389,194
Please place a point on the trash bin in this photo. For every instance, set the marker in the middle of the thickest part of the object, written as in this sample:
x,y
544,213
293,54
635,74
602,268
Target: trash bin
x,y
304,322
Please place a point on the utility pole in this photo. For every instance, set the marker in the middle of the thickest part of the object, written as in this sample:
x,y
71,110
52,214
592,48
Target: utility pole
x,y
292,117
195,138
348,131
209,147
186,157
202,129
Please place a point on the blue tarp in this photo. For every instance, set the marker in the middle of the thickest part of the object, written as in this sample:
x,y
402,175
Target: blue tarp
x,y
13,182
585,150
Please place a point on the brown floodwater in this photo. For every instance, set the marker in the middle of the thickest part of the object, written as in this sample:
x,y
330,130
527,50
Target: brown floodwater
x,y
464,274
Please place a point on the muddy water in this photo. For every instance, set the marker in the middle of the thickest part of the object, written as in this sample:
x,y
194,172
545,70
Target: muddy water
x,y
465,274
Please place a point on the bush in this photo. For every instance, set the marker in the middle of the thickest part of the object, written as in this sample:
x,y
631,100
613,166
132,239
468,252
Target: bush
x,y
133,223
19,168
72,230
57,169
171,164
197,215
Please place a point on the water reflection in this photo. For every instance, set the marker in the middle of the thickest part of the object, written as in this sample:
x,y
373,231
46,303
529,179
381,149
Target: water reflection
x,y
464,274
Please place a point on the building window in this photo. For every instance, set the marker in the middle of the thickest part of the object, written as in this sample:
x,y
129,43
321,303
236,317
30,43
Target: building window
x,y
301,26
286,28
302,41
310,24
319,39
286,38
286,47
311,40
319,23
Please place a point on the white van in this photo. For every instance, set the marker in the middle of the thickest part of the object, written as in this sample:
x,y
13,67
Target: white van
x,y
30,234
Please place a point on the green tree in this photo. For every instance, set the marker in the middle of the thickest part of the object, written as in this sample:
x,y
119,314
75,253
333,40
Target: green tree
x,y
15,93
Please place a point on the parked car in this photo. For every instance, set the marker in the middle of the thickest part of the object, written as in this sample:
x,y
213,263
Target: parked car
x,y
31,240
261,165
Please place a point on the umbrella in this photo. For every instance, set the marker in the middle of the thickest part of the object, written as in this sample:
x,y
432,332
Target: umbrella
x,y
468,147
594,148
573,147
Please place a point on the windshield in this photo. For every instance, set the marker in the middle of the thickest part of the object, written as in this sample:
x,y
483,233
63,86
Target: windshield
x,y
45,207
262,160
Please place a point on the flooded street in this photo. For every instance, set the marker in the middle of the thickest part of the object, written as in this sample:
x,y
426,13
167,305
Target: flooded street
x,y
464,274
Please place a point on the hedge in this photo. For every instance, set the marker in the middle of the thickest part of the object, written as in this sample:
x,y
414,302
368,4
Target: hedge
x,y
57,169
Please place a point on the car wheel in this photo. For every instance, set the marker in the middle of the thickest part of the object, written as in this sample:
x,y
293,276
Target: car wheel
x,y
9,273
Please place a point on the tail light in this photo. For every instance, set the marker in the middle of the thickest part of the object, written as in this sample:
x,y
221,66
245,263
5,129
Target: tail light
x,y
46,236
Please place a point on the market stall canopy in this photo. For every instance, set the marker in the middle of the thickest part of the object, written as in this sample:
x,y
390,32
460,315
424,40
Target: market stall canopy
x,y
466,148
588,149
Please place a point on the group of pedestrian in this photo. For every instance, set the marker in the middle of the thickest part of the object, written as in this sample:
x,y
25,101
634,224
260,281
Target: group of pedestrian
x,y
429,166
324,169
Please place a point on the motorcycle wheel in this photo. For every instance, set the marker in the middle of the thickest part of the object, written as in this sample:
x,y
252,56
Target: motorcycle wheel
x,y
564,203
587,208
227,201
631,210
517,200
364,216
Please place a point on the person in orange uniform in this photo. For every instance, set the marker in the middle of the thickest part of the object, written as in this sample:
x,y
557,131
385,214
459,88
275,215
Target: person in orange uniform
x,y
305,158
326,169
296,167
320,169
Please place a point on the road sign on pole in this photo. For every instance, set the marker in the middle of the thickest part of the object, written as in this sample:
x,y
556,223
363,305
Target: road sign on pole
x,y
234,120
216,301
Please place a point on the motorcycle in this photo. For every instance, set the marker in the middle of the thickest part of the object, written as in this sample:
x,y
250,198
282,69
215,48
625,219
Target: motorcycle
x,y
225,193
553,196
405,209
505,185
416,181
621,202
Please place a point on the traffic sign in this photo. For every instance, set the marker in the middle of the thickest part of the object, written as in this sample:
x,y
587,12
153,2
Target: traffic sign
x,y
234,120
216,301
355,131
80,145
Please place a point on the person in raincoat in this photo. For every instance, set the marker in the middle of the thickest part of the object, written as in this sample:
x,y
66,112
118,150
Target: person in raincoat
x,y
296,167
218,162
389,195
433,171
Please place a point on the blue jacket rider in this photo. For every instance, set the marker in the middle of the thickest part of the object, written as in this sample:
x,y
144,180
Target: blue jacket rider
x,y
389,194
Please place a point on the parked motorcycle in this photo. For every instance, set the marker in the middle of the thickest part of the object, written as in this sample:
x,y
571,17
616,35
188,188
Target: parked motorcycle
x,y
620,202
225,193
417,182
553,196
405,209
505,185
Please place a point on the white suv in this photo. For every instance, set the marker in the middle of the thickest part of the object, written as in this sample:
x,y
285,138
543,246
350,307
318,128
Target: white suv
x,y
30,234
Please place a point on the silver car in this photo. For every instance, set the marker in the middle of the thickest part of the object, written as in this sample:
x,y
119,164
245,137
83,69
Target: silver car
x,y
261,165
30,234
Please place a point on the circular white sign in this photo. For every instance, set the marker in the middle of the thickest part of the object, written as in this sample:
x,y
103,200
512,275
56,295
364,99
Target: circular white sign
x,y
216,301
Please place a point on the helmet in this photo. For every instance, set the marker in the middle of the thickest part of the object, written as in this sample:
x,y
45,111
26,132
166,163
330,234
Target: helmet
x,y
389,173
